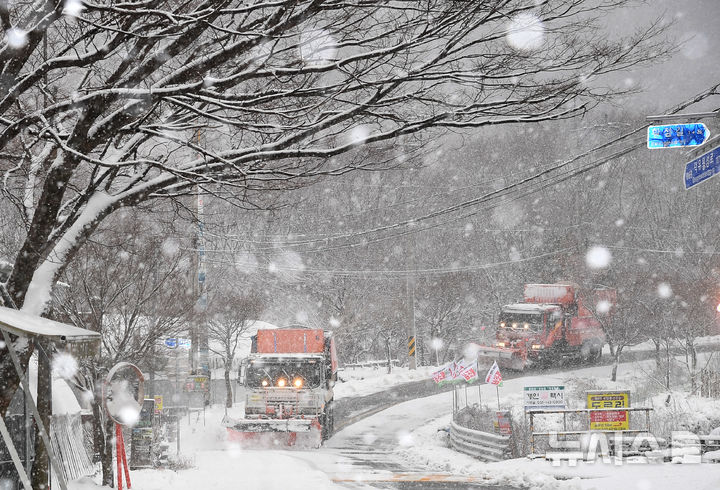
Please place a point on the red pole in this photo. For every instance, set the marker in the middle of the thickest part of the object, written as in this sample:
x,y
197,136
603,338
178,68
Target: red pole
x,y
125,461
118,452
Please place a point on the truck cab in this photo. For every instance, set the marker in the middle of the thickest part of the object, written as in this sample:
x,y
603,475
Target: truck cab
x,y
529,326
288,379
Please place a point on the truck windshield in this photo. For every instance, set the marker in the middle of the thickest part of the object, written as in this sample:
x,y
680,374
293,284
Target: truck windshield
x,y
521,321
296,374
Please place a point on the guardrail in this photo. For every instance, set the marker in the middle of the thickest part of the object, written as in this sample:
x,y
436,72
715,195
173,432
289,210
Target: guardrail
x,y
588,412
482,445
378,364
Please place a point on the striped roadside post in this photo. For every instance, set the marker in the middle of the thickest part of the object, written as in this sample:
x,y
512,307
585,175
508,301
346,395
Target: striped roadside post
x,y
411,347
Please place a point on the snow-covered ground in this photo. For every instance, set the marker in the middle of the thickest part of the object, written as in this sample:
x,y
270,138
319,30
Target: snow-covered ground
x,y
354,382
405,442
429,443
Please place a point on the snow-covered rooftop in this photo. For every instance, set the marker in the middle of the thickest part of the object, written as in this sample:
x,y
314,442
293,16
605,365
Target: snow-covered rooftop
x,y
27,325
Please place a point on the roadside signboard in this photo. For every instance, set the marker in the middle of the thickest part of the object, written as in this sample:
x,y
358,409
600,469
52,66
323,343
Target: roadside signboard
x,y
502,423
609,419
141,453
544,397
158,404
677,135
171,343
702,168
197,383
183,343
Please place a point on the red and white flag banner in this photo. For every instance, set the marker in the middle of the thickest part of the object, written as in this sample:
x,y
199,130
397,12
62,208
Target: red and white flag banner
x,y
493,376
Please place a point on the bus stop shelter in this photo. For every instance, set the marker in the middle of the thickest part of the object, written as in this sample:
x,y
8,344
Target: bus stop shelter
x,y
33,329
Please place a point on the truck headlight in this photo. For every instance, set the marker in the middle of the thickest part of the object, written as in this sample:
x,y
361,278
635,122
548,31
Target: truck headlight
x,y
264,382
281,382
500,344
298,382
537,346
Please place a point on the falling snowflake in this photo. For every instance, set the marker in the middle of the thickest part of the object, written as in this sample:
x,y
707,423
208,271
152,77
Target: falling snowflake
x,y
64,365
16,38
603,306
664,290
334,322
358,135
525,32
405,438
73,8
598,257
170,247
471,350
436,343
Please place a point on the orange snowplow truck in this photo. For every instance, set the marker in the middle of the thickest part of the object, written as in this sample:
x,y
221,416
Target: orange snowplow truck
x,y
553,323
288,378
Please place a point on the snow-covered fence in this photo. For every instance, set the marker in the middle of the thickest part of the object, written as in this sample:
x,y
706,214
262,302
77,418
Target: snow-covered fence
x,y
67,438
482,445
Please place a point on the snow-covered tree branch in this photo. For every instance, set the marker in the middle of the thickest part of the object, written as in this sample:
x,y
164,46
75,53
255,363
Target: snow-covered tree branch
x,y
105,105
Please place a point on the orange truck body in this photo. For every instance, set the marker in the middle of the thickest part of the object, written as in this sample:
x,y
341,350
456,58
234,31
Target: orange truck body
x,y
289,378
296,341
554,321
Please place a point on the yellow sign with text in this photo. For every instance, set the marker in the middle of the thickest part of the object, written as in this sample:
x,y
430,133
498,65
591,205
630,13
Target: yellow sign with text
x,y
158,403
607,419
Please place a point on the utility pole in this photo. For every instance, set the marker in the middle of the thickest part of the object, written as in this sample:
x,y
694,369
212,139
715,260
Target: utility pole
x,y
199,335
412,331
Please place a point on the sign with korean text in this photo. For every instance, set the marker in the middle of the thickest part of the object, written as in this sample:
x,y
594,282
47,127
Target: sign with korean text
x,y
460,371
544,397
502,423
158,403
702,168
677,135
197,383
609,419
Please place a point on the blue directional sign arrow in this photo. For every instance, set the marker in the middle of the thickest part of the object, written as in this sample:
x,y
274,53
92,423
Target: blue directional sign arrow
x,y
702,168
677,135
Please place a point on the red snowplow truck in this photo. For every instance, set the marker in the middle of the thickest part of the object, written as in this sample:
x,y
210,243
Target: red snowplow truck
x,y
289,378
553,323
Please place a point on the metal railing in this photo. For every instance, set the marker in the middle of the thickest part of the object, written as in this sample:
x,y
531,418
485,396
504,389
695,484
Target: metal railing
x,y
482,445
588,411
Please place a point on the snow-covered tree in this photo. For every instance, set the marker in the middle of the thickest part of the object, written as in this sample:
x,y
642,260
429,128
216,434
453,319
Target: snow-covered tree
x,y
229,316
106,105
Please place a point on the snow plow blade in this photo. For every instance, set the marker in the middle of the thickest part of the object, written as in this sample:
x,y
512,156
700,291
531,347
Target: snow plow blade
x,y
274,433
505,357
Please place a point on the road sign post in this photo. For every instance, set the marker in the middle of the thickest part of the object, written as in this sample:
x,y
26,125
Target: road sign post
x,y
702,168
677,135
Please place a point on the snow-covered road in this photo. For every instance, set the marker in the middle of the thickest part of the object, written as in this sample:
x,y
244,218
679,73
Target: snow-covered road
x,y
400,447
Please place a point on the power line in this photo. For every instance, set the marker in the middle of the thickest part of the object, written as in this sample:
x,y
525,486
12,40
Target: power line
x,y
397,272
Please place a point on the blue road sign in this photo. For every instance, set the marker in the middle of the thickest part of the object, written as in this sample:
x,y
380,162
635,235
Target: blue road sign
x,y
677,135
171,343
702,168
